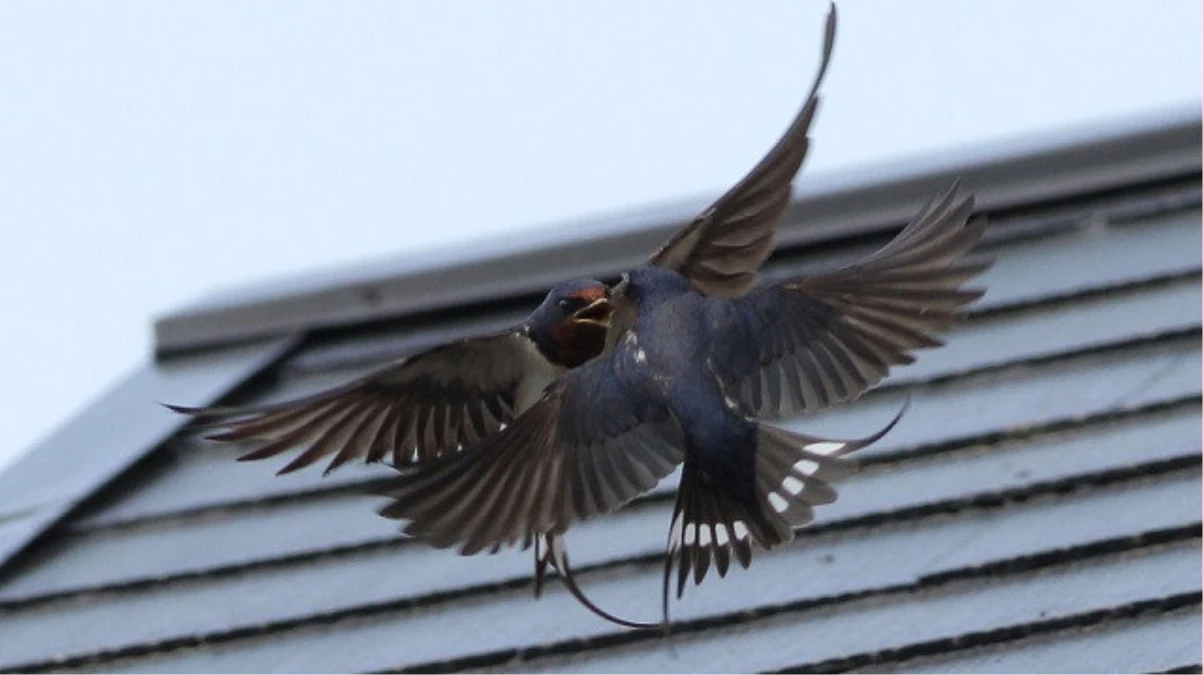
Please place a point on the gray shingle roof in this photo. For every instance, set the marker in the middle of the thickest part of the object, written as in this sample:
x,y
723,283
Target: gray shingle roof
x,y
1038,509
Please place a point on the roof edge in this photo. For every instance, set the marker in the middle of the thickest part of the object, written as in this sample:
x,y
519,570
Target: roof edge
x,y
830,206
118,429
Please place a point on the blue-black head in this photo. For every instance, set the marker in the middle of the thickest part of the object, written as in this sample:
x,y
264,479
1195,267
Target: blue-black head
x,y
570,326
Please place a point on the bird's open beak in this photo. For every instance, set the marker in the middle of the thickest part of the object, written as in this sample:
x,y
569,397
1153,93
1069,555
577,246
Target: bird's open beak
x,y
596,313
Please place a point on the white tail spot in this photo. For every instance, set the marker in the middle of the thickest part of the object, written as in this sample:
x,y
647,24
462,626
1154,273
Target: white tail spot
x,y
778,502
792,485
720,535
826,447
691,533
704,536
741,530
806,467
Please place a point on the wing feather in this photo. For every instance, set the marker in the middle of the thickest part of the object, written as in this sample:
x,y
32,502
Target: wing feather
x,y
722,250
836,335
589,445
415,409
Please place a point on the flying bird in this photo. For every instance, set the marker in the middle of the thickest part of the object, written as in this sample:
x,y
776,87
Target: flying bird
x,y
453,397
686,379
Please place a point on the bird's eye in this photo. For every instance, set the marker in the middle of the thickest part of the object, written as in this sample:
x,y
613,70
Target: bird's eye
x,y
565,304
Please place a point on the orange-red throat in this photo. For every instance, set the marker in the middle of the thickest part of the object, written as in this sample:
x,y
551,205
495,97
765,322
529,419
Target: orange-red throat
x,y
582,334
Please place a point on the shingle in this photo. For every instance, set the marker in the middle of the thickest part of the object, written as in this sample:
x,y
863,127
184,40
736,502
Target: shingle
x,y
194,476
833,569
1024,396
339,581
1097,258
169,548
1077,323
1114,645
896,619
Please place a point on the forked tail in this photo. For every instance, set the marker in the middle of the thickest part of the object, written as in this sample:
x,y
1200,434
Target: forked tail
x,y
792,474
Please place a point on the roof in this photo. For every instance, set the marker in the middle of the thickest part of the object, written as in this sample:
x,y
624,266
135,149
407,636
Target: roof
x,y
1038,508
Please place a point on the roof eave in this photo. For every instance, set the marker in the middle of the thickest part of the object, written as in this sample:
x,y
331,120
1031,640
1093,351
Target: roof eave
x,y
827,207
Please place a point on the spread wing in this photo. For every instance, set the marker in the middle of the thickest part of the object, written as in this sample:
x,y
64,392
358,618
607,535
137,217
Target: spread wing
x,y
594,441
827,338
417,408
721,251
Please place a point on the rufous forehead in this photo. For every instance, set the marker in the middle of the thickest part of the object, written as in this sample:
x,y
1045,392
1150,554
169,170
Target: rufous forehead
x,y
591,293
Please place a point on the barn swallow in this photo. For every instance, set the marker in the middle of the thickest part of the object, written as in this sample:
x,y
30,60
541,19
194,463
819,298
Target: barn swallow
x,y
452,397
686,379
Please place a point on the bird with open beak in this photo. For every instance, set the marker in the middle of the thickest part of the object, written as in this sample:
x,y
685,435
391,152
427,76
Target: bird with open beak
x,y
453,397
685,380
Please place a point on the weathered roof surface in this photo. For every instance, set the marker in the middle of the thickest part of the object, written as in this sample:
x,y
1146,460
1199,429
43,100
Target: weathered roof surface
x,y
1038,509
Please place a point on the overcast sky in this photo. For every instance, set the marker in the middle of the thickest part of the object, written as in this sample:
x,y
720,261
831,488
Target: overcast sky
x,y
152,152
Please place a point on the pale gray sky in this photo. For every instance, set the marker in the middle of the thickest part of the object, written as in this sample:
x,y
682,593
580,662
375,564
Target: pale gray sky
x,y
151,152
